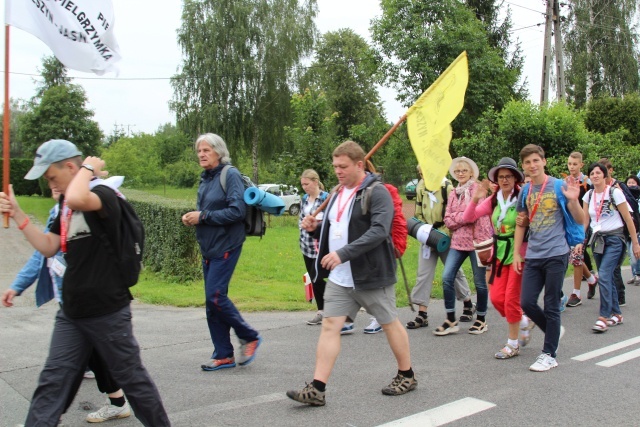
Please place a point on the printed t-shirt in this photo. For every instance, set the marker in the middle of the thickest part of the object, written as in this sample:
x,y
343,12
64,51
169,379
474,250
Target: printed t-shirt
x,y
91,284
546,229
610,218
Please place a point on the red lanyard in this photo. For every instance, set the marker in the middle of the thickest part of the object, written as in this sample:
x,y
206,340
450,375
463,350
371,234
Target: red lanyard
x,y
596,207
64,226
341,209
535,205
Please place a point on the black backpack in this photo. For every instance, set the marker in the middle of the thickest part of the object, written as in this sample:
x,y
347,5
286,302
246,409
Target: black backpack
x,y
254,224
129,253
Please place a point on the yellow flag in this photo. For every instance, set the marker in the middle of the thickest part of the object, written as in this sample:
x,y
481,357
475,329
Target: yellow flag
x,y
429,121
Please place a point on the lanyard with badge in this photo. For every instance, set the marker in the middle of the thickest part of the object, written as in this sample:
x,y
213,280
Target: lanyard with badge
x,y
337,231
598,208
534,209
59,264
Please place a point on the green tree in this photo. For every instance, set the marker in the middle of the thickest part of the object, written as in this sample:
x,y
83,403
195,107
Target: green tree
x,y
417,40
346,72
601,49
607,114
61,113
237,70
137,159
17,108
53,73
312,138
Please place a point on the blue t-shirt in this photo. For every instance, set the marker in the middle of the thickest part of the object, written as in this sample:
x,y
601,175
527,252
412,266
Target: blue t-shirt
x,y
546,229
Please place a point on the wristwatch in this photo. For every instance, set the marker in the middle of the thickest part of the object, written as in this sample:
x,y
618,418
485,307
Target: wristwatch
x,y
88,167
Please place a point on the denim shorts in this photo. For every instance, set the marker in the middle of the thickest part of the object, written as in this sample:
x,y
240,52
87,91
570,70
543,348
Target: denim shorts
x,y
342,301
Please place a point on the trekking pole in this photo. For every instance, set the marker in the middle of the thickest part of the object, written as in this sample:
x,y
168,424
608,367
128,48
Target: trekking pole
x,y
406,284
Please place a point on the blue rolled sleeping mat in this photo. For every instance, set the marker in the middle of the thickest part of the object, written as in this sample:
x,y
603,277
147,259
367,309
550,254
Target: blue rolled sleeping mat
x,y
267,202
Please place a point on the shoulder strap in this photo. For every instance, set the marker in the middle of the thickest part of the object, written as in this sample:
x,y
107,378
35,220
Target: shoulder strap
x,y
366,197
525,194
223,177
589,193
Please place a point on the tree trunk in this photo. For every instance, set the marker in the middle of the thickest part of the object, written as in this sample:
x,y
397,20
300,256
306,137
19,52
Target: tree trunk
x,y
254,155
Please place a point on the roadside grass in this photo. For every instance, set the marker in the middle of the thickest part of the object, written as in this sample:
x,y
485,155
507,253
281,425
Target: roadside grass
x,y
36,206
268,276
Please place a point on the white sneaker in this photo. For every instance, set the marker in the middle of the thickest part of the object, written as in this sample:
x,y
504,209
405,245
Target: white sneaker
x,y
373,328
109,412
347,329
543,363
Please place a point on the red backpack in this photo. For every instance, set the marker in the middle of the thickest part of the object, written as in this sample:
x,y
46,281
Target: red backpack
x,y
399,230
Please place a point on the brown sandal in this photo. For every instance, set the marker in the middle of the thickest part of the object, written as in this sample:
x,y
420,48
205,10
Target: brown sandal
x,y
418,322
447,328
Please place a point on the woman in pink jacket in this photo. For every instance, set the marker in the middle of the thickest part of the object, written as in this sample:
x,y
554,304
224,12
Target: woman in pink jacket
x,y
463,234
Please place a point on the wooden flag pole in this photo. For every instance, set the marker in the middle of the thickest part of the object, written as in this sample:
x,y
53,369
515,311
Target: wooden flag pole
x,y
6,132
371,152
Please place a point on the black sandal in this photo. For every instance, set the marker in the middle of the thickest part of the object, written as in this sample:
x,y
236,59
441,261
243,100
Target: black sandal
x,y
418,322
467,313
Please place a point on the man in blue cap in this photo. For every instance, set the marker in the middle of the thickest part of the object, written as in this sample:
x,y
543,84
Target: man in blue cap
x,y
96,313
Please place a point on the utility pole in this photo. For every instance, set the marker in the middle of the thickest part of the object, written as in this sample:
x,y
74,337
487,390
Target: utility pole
x,y
552,27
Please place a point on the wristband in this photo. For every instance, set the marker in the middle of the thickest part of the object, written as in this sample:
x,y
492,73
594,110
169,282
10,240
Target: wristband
x,y
24,224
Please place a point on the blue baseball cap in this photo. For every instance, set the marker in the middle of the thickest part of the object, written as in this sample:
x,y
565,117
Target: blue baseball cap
x,y
50,152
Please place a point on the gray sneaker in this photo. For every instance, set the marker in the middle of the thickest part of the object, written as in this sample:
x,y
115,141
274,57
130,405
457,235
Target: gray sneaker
x,y
309,395
400,385
316,320
109,412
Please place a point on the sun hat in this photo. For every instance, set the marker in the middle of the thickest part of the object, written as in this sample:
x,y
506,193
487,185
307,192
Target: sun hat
x,y
50,152
506,163
474,167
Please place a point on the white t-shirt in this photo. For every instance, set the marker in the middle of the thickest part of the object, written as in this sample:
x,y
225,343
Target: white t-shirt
x,y
609,219
339,235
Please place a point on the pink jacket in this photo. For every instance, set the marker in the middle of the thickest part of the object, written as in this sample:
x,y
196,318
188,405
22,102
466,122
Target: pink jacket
x,y
464,233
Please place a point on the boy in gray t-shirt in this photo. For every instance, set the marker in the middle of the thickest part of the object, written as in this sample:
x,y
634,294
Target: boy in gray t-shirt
x,y
547,253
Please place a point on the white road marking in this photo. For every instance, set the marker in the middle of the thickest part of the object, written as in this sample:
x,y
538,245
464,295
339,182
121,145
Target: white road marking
x,y
443,414
625,357
607,349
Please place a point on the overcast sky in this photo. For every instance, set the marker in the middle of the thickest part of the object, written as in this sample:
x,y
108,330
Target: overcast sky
x,y
137,100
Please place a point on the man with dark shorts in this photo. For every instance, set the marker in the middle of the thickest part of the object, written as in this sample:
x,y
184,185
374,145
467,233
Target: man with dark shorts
x,y
357,255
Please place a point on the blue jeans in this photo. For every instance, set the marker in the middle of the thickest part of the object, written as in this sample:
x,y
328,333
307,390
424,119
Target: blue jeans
x,y
635,263
547,274
222,314
607,262
451,267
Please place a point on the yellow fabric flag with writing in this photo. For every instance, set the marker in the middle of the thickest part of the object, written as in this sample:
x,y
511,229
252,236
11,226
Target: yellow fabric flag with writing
x,y
429,121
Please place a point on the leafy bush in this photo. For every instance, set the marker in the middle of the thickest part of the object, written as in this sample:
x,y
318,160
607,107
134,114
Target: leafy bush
x,y
18,169
170,247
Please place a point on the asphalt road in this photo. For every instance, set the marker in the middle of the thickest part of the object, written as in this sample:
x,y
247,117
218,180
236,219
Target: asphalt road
x,y
460,382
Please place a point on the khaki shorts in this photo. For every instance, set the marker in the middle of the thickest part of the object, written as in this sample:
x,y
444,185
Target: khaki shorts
x,y
341,301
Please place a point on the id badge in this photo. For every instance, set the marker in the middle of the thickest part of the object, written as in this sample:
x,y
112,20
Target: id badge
x,y
59,265
336,231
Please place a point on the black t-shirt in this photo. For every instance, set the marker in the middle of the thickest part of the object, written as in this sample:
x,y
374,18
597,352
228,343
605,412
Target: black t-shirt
x,y
92,285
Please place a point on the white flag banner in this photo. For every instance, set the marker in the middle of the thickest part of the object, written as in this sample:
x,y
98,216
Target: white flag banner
x,y
79,32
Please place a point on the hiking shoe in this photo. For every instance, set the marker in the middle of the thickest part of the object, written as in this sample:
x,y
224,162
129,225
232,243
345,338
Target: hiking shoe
x,y
574,301
467,313
309,395
109,412
248,351
400,385
373,328
347,329
215,364
316,320
543,363
563,303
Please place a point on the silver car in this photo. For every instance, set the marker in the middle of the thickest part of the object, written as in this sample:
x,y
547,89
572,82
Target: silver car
x,y
287,193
